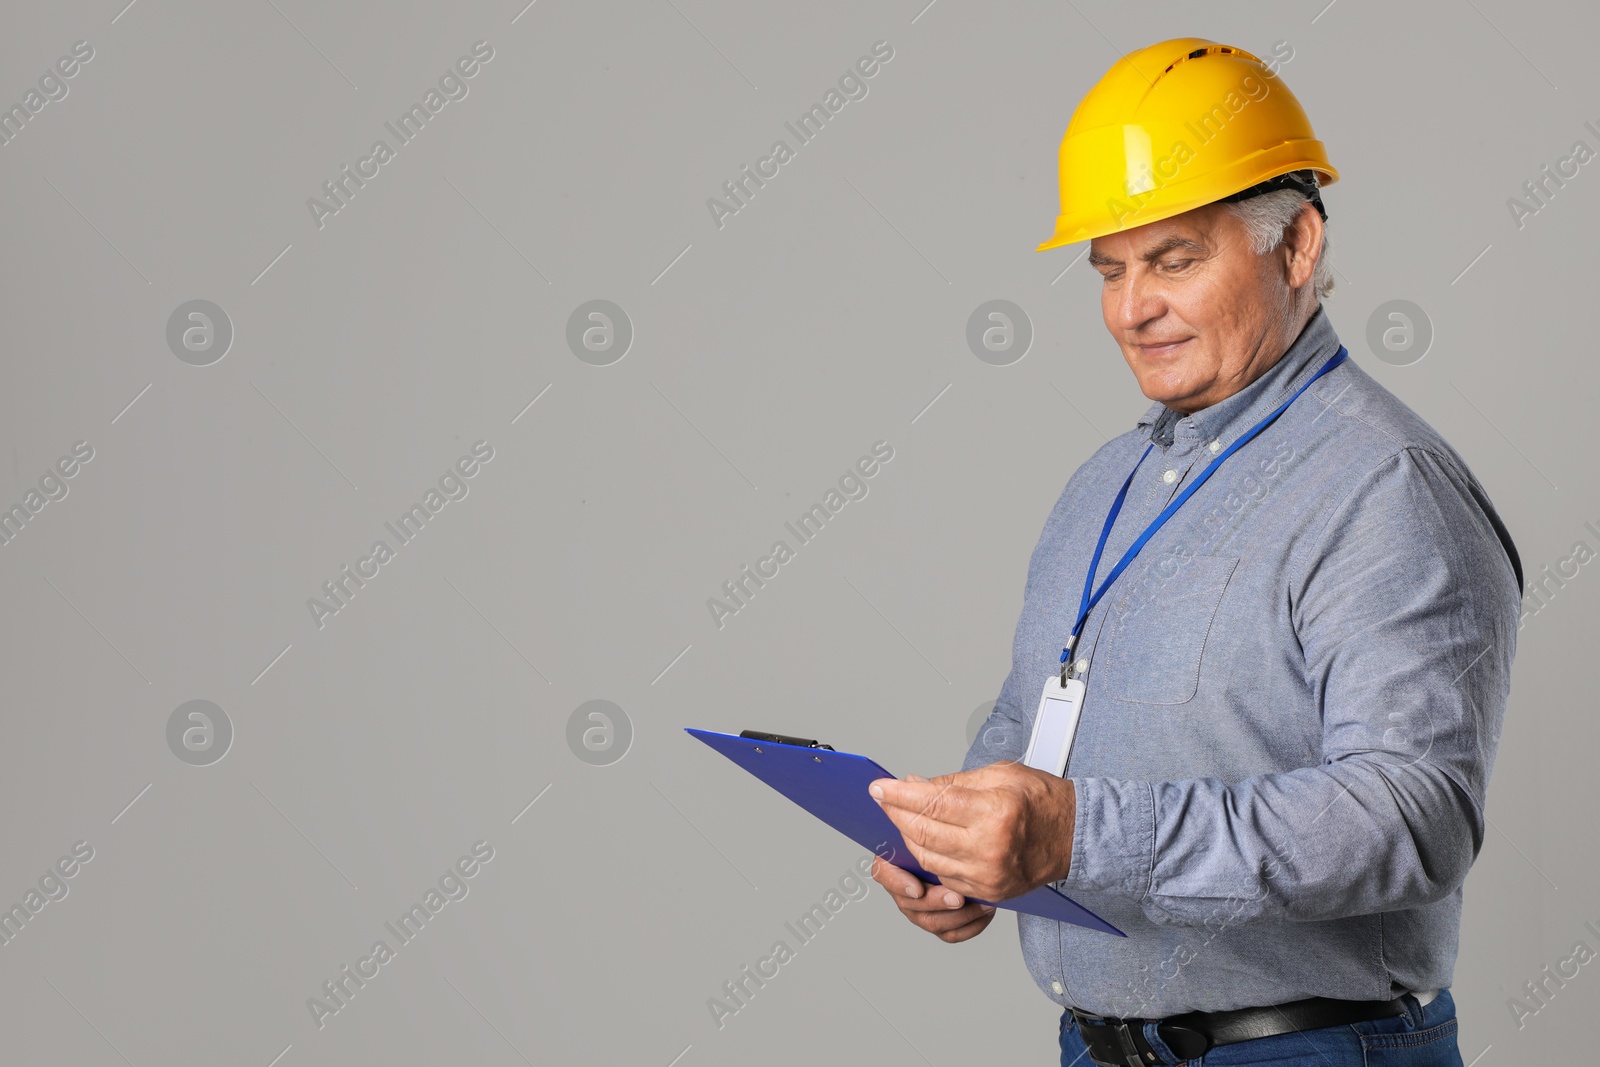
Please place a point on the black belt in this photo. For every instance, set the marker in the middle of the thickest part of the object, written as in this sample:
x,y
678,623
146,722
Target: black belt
x,y
1117,1042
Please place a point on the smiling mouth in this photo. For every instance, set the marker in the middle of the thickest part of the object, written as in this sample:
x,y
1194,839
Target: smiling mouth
x,y
1163,348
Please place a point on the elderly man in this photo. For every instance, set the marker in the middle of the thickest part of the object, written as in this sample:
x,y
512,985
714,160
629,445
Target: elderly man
x,y
1294,612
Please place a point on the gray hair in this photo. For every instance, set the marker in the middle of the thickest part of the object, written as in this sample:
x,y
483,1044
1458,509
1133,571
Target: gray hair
x,y
1266,217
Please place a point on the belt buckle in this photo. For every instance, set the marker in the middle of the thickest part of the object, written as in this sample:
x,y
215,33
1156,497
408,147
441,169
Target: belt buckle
x,y
1123,1035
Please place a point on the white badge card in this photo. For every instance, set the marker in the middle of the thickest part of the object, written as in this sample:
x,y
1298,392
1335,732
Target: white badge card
x,y
1055,725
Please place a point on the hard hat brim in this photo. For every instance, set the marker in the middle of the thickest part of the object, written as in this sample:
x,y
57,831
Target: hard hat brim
x,y
1179,197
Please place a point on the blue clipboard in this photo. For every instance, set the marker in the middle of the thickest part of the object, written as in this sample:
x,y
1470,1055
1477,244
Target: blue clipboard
x,y
833,787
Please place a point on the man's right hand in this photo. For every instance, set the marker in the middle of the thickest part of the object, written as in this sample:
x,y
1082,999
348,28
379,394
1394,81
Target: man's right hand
x,y
942,912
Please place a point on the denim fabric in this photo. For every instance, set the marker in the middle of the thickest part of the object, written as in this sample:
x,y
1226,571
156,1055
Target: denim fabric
x,y
1295,695
1425,1036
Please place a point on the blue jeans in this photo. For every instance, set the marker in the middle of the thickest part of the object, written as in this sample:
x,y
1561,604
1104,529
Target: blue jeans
x,y
1425,1036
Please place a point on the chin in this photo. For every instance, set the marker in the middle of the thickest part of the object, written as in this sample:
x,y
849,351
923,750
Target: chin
x,y
1162,389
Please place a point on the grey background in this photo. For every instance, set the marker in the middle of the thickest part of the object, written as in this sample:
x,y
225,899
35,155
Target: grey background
x,y
768,355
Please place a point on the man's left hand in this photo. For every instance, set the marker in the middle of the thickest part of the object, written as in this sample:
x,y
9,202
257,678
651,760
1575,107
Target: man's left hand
x,y
993,833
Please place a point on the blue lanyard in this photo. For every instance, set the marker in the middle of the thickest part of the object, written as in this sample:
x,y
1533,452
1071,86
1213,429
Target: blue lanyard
x,y
1089,601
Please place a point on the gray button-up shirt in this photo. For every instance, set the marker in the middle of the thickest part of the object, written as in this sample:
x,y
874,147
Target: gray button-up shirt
x,y
1294,699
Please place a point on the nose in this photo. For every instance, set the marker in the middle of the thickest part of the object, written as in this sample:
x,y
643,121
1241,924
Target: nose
x,y
1138,300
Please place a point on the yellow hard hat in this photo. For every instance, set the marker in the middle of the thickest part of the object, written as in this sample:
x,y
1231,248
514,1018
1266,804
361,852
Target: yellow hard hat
x,y
1174,126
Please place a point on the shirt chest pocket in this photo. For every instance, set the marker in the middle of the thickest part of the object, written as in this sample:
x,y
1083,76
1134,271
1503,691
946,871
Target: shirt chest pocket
x,y
1150,647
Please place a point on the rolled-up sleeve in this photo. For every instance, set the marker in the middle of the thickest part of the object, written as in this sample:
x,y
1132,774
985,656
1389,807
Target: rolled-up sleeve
x,y
1405,608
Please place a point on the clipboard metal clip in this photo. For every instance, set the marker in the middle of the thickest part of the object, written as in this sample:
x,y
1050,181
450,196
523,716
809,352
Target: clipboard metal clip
x,y
783,739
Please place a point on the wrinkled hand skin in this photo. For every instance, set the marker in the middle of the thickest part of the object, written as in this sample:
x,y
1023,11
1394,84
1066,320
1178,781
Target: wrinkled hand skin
x,y
992,833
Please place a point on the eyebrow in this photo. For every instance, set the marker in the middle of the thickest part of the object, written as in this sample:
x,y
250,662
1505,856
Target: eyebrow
x,y
1100,259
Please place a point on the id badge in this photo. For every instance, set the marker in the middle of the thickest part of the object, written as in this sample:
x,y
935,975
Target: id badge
x,y
1055,725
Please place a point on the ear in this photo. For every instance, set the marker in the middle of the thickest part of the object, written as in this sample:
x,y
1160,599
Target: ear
x,y
1302,240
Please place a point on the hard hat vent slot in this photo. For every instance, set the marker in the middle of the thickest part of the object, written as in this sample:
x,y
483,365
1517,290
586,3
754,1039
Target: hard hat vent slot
x,y
1221,50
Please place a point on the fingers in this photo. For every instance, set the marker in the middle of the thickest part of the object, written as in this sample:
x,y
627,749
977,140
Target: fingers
x,y
968,931
947,923
963,877
979,777
961,887
900,883
931,859
912,893
932,836
940,911
936,846
924,800
932,843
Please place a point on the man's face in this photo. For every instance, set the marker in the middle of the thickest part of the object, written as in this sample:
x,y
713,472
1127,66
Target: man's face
x,y
1197,313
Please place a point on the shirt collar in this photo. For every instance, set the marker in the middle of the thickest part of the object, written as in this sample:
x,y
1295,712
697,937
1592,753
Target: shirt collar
x,y
1235,414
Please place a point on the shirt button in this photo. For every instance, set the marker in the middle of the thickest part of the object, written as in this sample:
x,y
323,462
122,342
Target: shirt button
x,y
1081,667
1215,446
1170,477
1055,987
